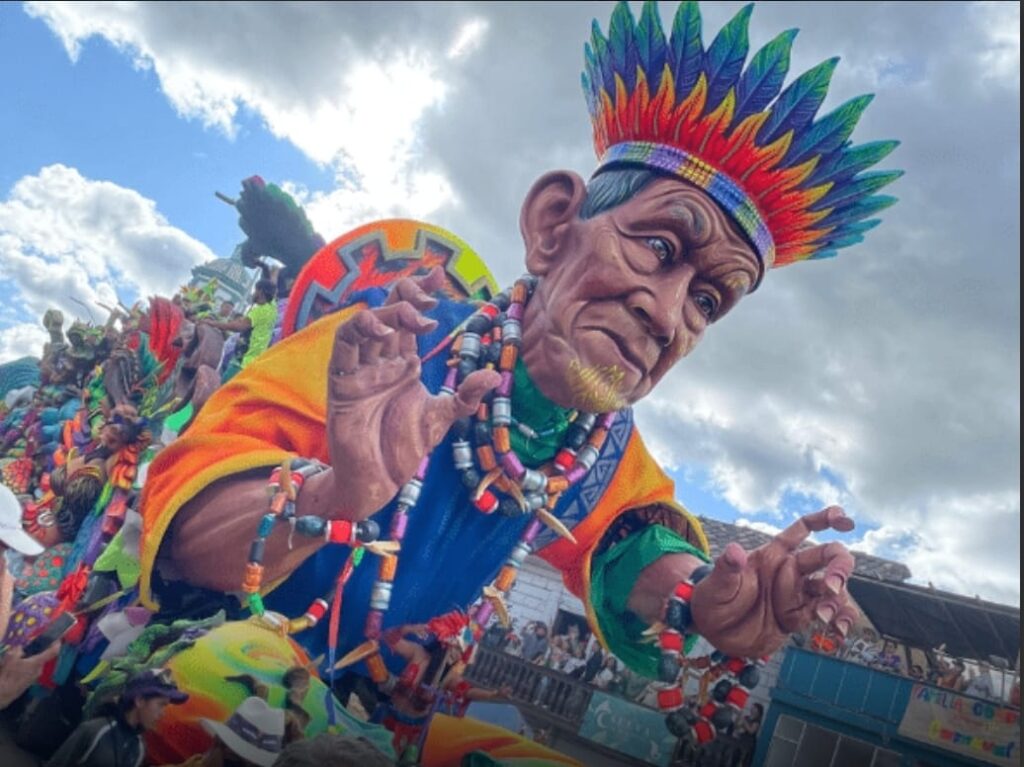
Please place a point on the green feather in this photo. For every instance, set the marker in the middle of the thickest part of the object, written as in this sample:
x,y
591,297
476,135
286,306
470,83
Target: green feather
x,y
828,133
724,60
850,162
799,102
764,76
650,43
862,186
687,49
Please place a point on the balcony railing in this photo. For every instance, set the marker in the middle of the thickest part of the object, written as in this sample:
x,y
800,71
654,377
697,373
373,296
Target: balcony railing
x,y
551,696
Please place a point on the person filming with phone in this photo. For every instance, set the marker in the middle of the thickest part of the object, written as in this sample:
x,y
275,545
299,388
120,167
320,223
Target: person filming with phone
x,y
19,667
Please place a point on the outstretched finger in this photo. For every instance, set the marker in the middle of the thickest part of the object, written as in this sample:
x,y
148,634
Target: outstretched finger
x,y
833,517
845,618
417,290
444,409
833,558
351,336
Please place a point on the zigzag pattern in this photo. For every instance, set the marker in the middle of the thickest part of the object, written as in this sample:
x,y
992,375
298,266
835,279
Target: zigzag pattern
x,y
794,183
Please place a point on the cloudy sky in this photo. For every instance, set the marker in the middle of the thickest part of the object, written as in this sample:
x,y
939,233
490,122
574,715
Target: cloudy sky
x,y
887,380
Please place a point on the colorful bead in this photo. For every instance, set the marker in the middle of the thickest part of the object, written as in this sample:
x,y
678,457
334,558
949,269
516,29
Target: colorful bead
x,y
506,577
253,578
565,459
487,502
266,525
670,698
501,411
410,493
316,611
378,671
462,453
502,439
380,596
387,568
256,604
339,531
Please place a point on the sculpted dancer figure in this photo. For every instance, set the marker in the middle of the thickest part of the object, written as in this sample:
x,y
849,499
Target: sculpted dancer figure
x,y
467,436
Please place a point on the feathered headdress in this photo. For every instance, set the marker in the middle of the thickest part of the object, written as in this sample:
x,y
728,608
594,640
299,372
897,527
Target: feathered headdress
x,y
793,184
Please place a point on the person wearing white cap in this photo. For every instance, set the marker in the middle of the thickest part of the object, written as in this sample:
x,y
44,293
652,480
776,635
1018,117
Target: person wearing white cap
x,y
17,673
252,736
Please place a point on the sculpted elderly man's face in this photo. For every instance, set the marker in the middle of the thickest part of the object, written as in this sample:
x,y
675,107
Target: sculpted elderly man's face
x,y
628,293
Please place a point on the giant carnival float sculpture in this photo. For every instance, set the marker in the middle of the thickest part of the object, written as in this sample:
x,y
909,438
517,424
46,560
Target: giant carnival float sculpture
x,y
415,433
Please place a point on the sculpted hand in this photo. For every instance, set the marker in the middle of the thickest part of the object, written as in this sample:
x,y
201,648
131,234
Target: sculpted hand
x,y
381,420
752,601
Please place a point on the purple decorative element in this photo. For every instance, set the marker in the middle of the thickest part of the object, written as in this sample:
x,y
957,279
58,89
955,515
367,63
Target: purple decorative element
x,y
421,472
607,420
399,523
374,623
505,387
532,530
449,379
512,465
575,474
515,312
483,613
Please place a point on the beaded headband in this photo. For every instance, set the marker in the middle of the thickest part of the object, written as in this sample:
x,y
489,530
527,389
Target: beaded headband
x,y
794,185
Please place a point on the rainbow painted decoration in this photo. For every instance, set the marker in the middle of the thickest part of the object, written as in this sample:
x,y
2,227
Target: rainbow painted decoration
x,y
377,255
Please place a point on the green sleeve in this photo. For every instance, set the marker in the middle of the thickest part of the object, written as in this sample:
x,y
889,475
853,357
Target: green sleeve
x,y
613,573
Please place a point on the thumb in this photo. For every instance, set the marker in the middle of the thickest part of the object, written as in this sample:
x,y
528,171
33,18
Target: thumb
x,y
472,390
724,582
442,411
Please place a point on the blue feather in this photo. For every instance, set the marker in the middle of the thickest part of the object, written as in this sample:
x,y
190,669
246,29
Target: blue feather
x,y
724,59
764,77
651,45
798,103
863,185
622,44
687,49
820,254
848,162
868,206
828,133
604,59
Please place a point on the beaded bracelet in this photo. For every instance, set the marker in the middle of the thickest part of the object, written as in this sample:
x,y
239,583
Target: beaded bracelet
x,y
730,694
283,488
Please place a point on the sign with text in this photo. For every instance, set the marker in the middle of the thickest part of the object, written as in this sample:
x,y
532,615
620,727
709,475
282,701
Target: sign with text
x,y
967,726
628,728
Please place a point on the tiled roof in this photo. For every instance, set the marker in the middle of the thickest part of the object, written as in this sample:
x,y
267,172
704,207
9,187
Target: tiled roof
x,y
722,533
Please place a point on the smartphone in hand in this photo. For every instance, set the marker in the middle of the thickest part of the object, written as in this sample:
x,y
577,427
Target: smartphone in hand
x,y
60,626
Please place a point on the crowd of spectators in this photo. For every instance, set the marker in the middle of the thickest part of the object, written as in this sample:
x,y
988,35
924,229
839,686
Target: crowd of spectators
x,y
865,647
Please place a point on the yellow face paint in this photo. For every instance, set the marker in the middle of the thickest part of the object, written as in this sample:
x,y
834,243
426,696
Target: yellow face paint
x,y
596,388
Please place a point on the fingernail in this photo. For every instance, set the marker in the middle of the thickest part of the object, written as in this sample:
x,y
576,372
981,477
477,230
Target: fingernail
x,y
843,627
834,583
825,613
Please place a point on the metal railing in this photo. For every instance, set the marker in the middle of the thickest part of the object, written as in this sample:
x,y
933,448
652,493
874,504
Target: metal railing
x,y
561,700
542,691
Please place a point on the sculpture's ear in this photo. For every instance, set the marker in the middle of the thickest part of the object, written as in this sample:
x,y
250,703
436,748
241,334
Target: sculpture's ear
x,y
551,206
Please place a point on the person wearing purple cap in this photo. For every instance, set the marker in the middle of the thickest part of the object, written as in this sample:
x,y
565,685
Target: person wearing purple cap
x,y
117,740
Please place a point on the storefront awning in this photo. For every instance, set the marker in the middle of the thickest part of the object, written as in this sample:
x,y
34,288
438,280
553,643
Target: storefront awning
x,y
926,618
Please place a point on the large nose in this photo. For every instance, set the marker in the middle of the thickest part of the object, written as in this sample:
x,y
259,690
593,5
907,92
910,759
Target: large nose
x,y
659,305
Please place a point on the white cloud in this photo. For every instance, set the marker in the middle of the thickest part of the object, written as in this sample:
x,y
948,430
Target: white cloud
x,y
887,380
70,242
969,544
468,39
344,103
762,527
1000,23
24,339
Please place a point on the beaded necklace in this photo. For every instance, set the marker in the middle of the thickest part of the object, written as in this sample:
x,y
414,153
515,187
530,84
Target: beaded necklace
x,y
489,468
